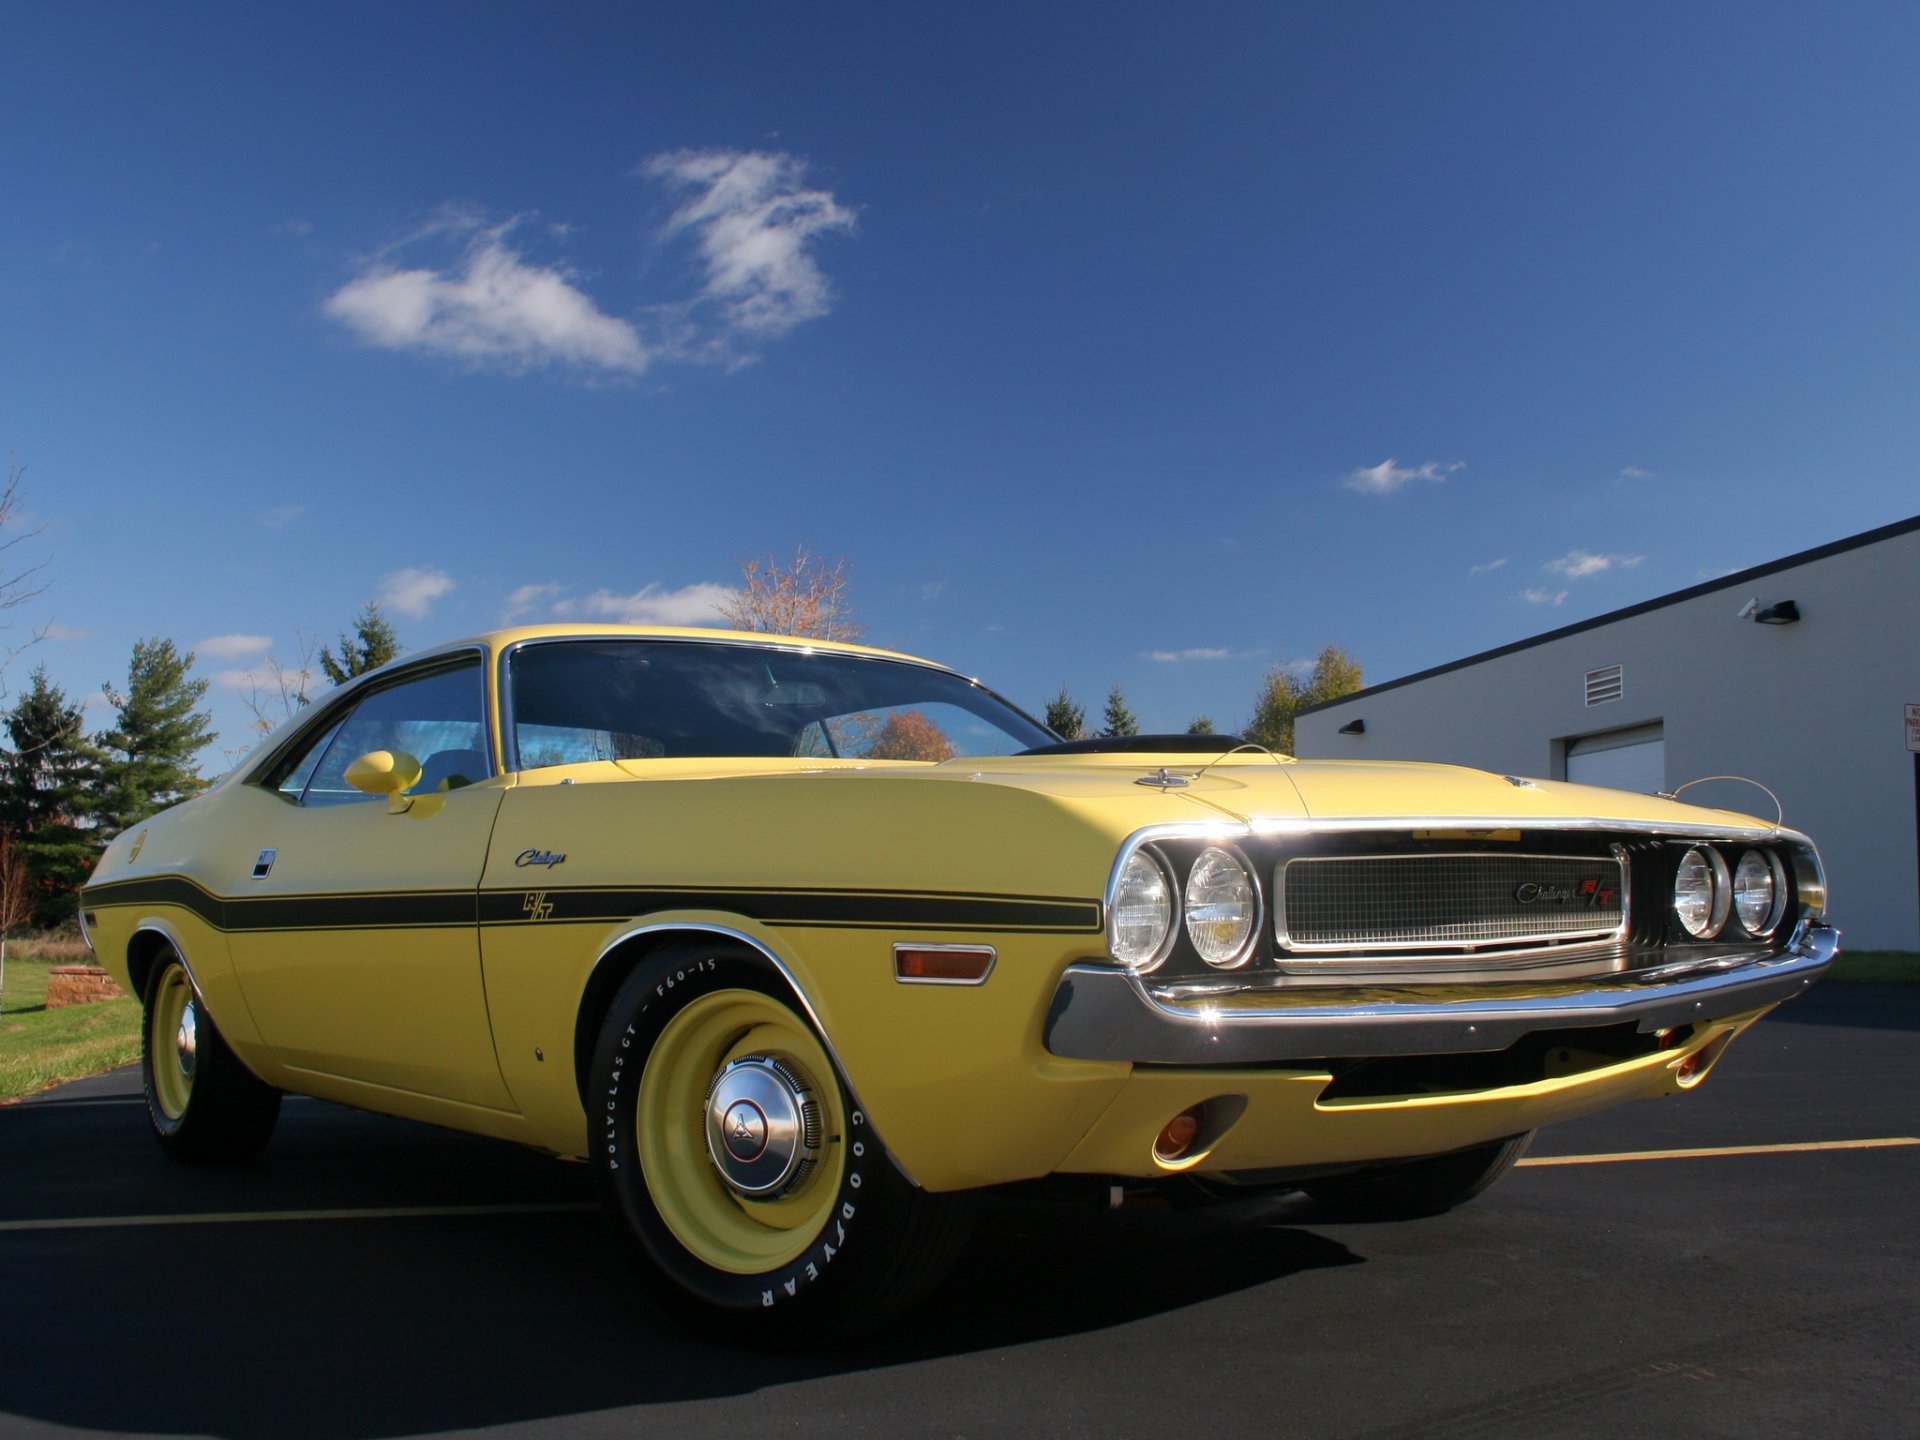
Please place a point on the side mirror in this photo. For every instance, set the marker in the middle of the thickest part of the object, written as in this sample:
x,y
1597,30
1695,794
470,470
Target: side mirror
x,y
386,772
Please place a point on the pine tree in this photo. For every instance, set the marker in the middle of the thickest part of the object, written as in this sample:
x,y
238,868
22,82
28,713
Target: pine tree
x,y
1200,725
46,779
372,642
1120,720
150,752
1064,718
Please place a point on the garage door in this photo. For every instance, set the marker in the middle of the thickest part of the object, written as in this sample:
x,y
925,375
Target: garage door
x,y
1634,759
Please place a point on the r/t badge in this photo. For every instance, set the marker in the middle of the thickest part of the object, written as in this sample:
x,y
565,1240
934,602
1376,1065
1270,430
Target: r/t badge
x,y
536,906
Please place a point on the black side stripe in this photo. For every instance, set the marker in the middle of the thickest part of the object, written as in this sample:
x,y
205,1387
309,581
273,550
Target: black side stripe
x,y
398,910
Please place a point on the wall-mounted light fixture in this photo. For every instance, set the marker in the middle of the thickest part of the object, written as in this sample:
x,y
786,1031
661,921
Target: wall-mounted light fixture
x,y
1354,727
1783,613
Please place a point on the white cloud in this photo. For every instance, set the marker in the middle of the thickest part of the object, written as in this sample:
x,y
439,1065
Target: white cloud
x,y
528,597
411,592
1390,475
244,682
1543,597
933,589
1196,653
752,219
491,307
1579,564
697,604
1634,472
54,630
749,215
232,647
1489,567
282,516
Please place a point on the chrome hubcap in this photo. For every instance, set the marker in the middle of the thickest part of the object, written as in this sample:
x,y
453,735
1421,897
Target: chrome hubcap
x,y
186,1038
763,1127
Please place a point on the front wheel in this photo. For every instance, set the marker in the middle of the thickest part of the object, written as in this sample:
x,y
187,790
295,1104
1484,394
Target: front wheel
x,y
203,1103
726,1145
1411,1189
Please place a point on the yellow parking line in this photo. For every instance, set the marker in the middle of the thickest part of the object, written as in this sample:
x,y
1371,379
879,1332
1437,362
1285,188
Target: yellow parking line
x,y
1716,1150
241,1217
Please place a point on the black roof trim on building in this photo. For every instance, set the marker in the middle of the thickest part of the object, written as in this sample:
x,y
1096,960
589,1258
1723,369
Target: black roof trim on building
x,y
1692,592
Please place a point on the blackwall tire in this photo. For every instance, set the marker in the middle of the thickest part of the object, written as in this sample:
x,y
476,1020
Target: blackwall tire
x,y
793,1241
204,1104
1412,1189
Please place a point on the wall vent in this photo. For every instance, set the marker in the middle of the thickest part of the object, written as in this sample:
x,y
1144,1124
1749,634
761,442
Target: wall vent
x,y
1604,684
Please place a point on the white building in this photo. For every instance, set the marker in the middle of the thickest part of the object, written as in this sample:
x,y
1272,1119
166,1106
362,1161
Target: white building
x,y
1796,674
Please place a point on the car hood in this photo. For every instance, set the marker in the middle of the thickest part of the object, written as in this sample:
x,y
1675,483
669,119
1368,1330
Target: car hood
x,y
1263,791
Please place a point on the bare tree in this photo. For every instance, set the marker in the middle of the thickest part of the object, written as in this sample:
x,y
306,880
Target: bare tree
x,y
280,692
17,587
808,597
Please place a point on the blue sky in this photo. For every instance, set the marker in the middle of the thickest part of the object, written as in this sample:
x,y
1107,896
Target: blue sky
x,y
1139,344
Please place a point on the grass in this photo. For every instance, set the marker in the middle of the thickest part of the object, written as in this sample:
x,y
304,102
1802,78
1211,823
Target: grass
x,y
1876,967
41,1047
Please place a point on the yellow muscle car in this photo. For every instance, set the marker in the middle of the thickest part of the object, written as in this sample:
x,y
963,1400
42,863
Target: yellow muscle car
x,y
802,945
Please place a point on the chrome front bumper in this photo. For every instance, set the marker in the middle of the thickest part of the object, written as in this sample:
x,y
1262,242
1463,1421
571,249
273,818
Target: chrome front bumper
x,y
1100,1012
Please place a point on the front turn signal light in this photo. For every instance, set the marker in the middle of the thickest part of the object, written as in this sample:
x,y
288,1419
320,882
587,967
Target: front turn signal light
x,y
942,964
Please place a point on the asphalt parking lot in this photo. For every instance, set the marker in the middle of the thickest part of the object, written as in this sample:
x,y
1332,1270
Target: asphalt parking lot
x,y
371,1278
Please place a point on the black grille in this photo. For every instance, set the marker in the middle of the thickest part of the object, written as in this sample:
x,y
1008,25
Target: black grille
x,y
1443,902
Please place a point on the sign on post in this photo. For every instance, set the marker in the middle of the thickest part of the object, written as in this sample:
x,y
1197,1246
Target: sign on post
x,y
1913,728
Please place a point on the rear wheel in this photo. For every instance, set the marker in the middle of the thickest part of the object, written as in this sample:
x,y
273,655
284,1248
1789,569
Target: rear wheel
x,y
203,1103
1410,1189
727,1146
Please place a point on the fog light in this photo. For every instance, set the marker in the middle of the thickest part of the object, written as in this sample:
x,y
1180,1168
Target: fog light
x,y
1179,1134
1692,1070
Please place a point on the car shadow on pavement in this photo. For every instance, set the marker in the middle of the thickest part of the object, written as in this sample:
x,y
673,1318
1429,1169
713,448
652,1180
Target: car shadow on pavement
x,y
400,1326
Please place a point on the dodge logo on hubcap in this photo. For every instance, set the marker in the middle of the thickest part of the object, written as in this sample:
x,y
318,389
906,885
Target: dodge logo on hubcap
x,y
746,1130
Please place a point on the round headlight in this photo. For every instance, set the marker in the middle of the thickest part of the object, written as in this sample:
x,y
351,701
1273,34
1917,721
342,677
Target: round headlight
x,y
1222,908
1700,896
1141,919
1758,893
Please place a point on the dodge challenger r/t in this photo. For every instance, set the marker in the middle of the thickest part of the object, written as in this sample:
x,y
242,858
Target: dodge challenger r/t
x,y
803,945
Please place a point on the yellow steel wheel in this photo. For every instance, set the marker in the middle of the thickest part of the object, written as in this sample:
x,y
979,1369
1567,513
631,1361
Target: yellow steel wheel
x,y
203,1103
708,1213
173,1041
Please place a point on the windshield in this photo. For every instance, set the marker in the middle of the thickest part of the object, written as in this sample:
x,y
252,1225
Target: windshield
x,y
651,699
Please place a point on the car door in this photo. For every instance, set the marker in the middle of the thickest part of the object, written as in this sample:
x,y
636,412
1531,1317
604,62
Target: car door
x,y
355,938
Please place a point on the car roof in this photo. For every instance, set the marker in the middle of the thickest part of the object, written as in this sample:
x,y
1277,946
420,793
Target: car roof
x,y
498,640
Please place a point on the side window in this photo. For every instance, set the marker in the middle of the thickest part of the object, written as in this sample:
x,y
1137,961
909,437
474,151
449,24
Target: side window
x,y
294,783
439,719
